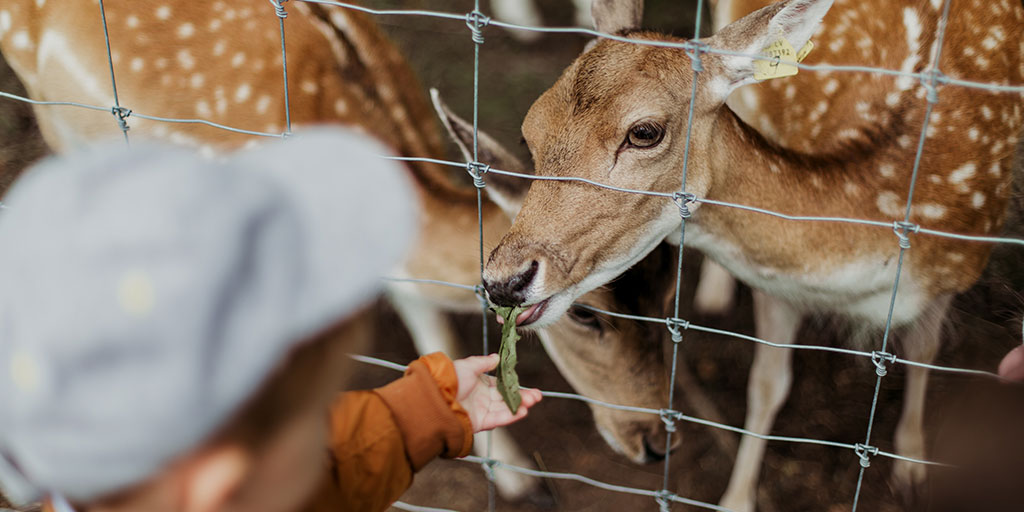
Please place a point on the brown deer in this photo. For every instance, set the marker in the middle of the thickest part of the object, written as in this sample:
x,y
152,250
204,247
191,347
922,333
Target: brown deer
x,y
222,62
618,115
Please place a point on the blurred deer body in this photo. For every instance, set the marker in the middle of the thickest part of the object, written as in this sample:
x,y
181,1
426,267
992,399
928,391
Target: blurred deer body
x,y
618,115
222,62
525,13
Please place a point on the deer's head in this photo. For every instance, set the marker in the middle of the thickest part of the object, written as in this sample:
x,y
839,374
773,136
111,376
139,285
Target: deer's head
x,y
617,360
618,116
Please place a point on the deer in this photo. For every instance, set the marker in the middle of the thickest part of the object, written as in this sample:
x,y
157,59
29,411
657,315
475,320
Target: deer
x,y
190,61
618,115
525,13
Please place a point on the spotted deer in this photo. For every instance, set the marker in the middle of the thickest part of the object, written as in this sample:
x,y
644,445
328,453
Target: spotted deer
x,y
830,144
222,62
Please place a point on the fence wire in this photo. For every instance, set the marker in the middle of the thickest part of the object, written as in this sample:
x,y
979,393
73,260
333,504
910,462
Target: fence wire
x,y
930,79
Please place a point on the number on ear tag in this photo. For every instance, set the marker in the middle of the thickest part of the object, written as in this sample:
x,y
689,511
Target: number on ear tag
x,y
783,59
782,55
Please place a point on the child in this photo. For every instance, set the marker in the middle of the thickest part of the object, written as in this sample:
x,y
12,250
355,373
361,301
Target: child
x,y
170,327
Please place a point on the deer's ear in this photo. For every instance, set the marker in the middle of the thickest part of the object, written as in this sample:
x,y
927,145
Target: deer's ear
x,y
795,20
506,191
611,16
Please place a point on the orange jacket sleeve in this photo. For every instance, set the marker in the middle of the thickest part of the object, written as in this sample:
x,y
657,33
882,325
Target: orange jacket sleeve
x,y
379,438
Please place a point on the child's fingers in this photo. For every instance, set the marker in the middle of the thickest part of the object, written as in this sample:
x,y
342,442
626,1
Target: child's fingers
x,y
1012,366
531,397
481,364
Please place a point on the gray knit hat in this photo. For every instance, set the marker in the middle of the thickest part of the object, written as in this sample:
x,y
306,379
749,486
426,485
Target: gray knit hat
x,y
145,294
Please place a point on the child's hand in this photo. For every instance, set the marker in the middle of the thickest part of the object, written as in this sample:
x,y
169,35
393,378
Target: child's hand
x,y
478,394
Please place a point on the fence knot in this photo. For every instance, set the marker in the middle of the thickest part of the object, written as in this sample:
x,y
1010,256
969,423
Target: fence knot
x,y
696,48
865,452
683,200
676,326
664,499
476,21
882,361
669,418
488,465
122,114
477,171
930,80
481,294
903,230
279,8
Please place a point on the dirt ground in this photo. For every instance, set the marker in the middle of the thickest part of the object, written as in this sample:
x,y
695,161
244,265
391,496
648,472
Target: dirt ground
x,y
831,393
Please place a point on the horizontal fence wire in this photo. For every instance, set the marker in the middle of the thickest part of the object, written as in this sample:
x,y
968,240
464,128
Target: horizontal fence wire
x,y
731,334
929,79
383,363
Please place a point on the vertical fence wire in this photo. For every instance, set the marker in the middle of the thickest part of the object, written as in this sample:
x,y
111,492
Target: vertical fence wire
x,y
281,15
476,21
903,230
683,199
121,114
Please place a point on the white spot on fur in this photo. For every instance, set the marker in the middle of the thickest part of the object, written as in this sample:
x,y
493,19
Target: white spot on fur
x,y
892,99
931,210
197,80
889,204
974,134
21,40
831,86
219,48
185,59
309,87
987,113
955,257
263,104
887,170
5,22
132,21
340,107
161,63
960,176
996,170
978,200
186,30
203,109
243,93
238,60
215,25
851,188
913,27
138,64
163,12
936,4
905,141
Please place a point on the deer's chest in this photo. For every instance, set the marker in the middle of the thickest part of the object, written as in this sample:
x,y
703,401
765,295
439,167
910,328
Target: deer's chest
x,y
859,287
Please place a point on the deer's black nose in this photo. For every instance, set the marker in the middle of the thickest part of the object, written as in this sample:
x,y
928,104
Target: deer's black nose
x,y
511,291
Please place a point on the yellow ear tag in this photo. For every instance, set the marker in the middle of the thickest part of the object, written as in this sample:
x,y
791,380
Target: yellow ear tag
x,y
805,51
782,55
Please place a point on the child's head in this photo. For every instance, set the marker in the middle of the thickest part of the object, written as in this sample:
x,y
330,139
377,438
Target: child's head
x,y
169,326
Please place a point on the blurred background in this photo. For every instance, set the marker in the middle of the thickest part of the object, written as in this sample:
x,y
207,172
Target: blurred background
x,y
831,394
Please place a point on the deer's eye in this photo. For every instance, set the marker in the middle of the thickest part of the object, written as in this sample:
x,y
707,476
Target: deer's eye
x,y
645,135
585,317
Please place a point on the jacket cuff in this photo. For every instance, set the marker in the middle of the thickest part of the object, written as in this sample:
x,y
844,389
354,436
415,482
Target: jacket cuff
x,y
424,406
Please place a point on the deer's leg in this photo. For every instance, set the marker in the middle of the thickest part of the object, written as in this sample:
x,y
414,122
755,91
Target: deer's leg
x,y
767,388
432,332
582,17
921,345
519,12
715,290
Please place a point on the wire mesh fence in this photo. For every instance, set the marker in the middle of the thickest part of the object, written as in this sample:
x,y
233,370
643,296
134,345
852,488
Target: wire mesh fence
x,y
477,22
